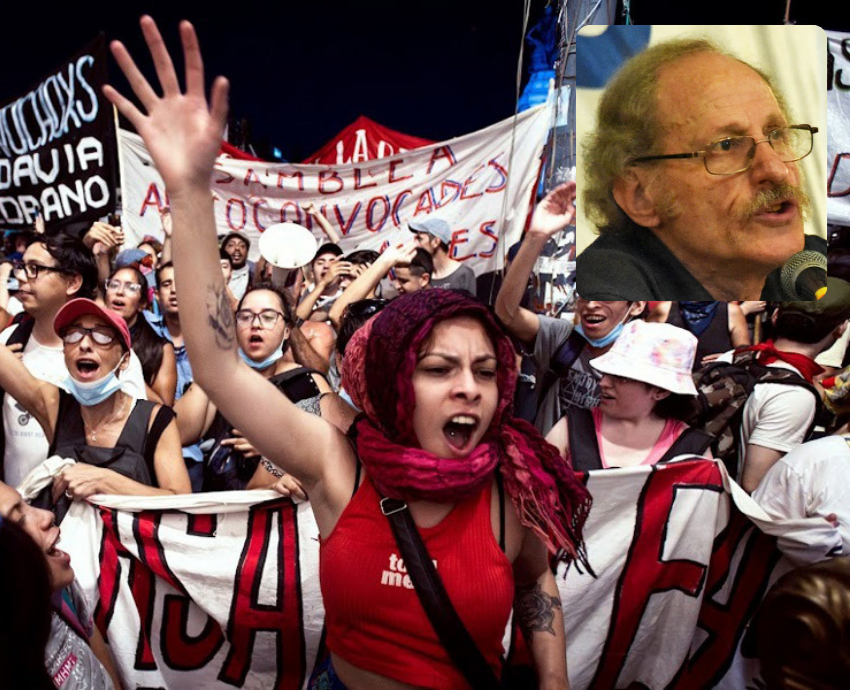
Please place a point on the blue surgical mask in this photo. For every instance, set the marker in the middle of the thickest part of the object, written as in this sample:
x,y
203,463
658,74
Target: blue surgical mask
x,y
89,393
267,362
605,340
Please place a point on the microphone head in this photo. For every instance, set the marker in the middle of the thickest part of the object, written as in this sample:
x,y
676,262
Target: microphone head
x,y
797,264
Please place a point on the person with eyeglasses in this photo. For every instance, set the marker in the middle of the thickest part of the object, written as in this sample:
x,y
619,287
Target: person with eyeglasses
x,y
263,327
692,181
53,271
126,292
434,374
121,445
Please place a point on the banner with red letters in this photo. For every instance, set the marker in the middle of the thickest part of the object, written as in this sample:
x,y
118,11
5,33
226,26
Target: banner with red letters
x,y
221,590
482,184
838,128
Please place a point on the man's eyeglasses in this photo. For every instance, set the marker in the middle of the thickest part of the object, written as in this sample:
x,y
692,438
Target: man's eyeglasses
x,y
99,335
735,154
129,288
268,318
31,270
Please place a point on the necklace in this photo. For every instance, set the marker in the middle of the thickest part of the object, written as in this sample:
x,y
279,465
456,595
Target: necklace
x,y
93,430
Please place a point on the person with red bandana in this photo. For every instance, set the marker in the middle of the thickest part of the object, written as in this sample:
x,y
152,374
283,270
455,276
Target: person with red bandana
x,y
435,377
778,417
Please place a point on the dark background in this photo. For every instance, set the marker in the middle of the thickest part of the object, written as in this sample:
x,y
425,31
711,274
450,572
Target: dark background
x,y
301,71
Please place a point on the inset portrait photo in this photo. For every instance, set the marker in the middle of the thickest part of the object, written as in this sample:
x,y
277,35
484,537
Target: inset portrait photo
x,y
701,162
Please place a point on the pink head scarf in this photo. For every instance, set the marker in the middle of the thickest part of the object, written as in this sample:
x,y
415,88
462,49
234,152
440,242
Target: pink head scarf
x,y
379,365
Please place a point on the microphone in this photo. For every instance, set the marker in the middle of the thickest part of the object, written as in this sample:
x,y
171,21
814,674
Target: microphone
x,y
804,275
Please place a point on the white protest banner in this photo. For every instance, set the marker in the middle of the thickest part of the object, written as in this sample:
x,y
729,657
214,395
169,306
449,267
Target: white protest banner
x,y
198,597
838,127
57,146
221,590
481,183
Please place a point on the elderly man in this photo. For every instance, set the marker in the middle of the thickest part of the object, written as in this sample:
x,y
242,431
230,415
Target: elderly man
x,y
692,181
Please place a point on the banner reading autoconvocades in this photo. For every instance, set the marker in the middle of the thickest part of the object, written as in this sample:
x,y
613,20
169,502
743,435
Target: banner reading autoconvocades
x,y
481,183
838,129
57,150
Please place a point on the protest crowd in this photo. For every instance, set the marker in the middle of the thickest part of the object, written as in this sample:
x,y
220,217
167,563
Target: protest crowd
x,y
458,448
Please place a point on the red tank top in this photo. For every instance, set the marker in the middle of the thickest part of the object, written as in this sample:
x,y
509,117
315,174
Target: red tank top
x,y
374,619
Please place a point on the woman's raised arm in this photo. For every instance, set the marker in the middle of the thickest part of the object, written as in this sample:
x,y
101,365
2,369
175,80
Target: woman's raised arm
x,y
183,134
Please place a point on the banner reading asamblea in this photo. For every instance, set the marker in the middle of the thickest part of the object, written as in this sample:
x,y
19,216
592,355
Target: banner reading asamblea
x,y
57,150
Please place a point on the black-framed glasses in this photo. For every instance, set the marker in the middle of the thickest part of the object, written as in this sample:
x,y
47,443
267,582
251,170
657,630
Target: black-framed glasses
x,y
99,335
735,154
268,318
31,269
130,288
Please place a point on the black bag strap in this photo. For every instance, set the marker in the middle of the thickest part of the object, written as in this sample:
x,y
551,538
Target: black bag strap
x,y
690,442
453,634
559,365
584,448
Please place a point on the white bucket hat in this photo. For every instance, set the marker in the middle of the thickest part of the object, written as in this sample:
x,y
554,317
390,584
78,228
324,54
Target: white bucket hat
x,y
659,354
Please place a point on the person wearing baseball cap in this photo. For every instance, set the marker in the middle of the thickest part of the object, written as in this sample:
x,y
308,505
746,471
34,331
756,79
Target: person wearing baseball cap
x,y
89,417
434,235
778,417
645,390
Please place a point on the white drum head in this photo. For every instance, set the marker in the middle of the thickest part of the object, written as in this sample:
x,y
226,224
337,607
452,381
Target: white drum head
x,y
288,245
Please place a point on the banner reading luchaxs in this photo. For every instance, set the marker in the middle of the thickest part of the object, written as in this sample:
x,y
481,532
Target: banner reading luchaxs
x,y
57,146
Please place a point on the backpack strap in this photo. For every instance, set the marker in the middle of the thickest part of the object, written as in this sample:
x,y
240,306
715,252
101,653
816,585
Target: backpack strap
x,y
690,442
584,448
561,362
21,335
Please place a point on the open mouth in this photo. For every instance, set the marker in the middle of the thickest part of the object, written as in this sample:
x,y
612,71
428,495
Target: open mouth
x,y
459,430
87,368
53,552
593,318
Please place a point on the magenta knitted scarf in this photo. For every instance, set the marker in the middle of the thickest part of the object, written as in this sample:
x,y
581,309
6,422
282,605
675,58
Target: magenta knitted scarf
x,y
379,365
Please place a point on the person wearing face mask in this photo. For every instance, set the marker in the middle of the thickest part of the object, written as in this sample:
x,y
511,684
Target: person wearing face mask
x,y
263,323
645,389
121,445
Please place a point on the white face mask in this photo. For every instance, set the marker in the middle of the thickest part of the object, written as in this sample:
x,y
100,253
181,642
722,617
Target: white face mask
x,y
90,393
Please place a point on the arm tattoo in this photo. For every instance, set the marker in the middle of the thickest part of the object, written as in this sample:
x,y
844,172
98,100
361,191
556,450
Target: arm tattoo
x,y
220,317
535,610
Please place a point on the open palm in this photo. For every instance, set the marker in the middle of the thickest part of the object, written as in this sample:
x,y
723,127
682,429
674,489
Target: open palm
x,y
181,130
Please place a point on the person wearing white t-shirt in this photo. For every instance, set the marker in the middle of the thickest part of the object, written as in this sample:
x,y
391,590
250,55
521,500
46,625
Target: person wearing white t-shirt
x,y
778,416
53,271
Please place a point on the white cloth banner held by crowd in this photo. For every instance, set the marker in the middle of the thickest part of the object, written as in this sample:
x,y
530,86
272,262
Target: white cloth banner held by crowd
x,y
475,182
222,591
191,592
838,127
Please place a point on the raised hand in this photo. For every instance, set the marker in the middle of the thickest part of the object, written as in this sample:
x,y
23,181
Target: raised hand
x,y
555,211
181,131
400,255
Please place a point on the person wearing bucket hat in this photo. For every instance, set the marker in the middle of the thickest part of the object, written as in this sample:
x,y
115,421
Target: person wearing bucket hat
x,y
434,235
779,417
645,390
89,417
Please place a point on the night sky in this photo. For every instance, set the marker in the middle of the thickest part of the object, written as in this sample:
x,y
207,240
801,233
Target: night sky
x,y
300,72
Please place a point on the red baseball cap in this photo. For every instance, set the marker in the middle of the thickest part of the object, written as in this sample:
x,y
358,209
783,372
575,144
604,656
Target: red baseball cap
x,y
82,307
